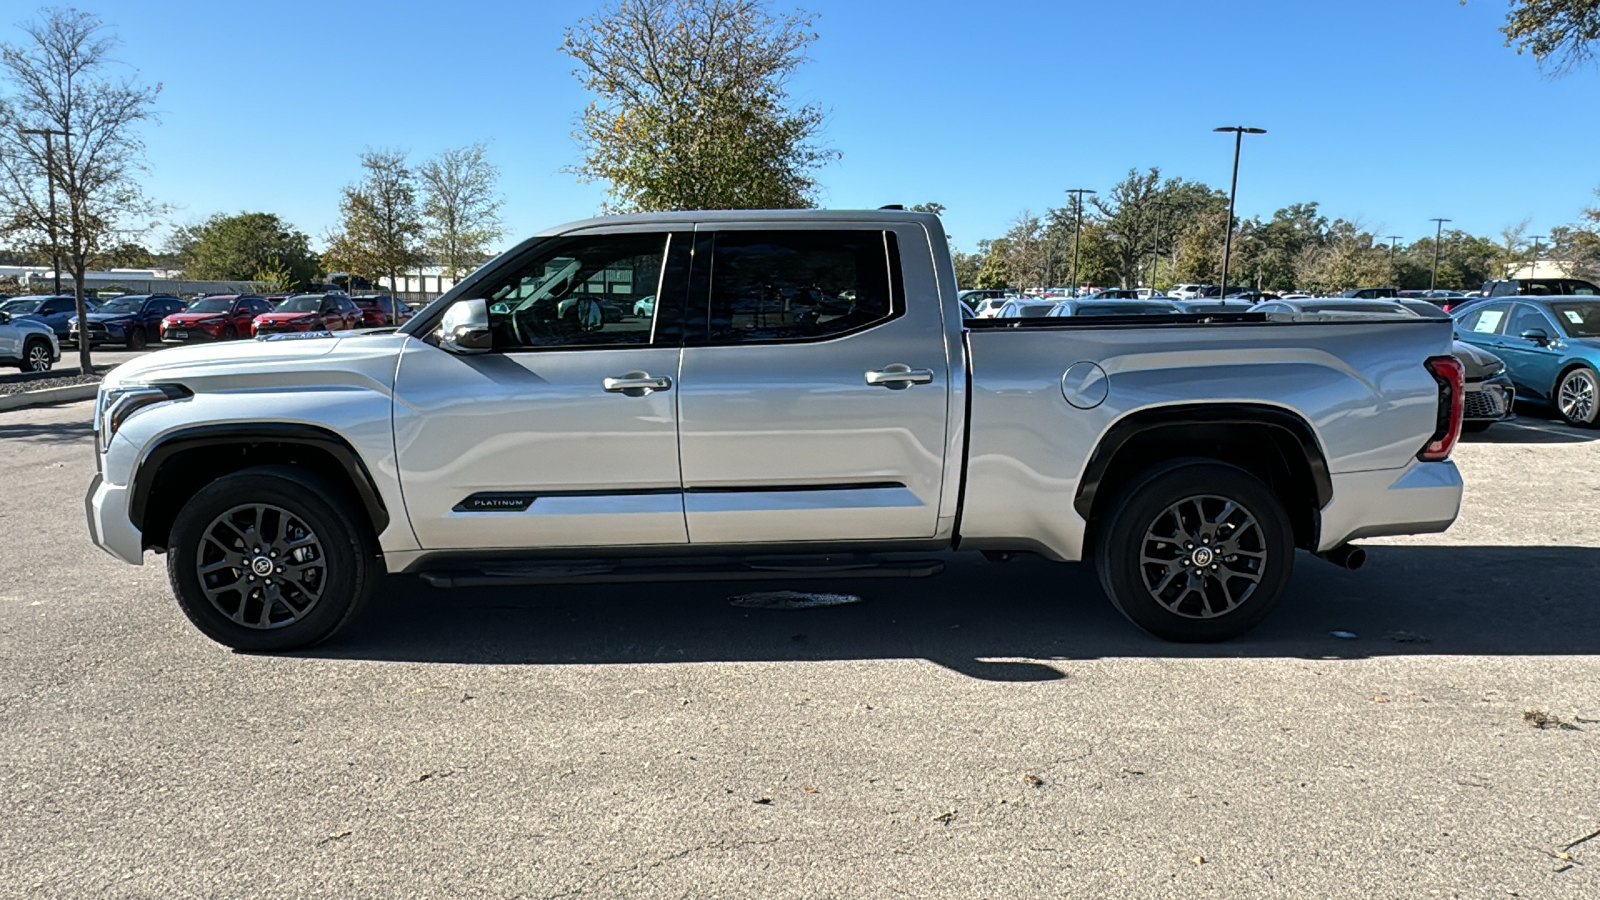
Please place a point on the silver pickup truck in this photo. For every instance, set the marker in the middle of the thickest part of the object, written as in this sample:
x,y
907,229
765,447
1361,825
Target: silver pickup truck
x,y
766,395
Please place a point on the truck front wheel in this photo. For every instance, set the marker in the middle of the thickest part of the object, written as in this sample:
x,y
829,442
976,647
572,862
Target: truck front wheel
x,y
270,559
1195,551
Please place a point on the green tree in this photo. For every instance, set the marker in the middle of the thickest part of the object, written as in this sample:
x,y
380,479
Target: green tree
x,y
992,274
1128,215
967,266
461,208
692,109
63,80
380,230
1558,34
241,246
126,255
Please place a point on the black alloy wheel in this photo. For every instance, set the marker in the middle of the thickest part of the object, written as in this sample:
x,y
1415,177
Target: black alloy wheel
x,y
1195,551
271,558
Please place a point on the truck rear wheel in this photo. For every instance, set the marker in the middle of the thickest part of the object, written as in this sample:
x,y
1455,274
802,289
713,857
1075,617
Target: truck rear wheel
x,y
270,559
1195,551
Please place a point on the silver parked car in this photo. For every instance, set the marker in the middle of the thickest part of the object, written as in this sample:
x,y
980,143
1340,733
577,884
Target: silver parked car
x,y
28,344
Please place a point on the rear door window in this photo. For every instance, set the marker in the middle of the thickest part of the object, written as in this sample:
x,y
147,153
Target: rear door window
x,y
1486,319
801,285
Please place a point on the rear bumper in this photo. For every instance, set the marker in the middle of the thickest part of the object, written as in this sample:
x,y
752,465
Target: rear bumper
x,y
106,507
1423,498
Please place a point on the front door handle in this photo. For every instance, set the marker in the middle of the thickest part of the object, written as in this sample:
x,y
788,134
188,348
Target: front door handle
x,y
636,384
899,377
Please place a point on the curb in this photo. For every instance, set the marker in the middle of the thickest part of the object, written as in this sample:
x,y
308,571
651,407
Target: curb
x,y
49,396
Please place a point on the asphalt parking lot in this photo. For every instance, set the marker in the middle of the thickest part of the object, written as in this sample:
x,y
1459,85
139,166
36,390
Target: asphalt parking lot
x,y
994,732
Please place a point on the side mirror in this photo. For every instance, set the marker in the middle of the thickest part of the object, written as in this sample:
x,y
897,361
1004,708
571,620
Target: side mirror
x,y
1537,335
5,318
464,330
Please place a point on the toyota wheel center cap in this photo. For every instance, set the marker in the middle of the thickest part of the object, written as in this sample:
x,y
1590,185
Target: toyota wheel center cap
x,y
1202,556
261,566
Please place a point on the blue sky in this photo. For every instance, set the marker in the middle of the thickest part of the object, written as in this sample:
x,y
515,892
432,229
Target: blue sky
x,y
1387,111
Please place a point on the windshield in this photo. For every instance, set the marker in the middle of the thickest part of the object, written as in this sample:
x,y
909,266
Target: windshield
x,y
1127,309
123,305
303,303
22,305
1033,310
1579,319
210,305
1375,308
365,302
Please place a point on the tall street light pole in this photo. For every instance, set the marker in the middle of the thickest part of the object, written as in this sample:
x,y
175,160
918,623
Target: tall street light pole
x,y
1392,239
1155,249
1077,232
50,178
1438,234
1239,131
1534,272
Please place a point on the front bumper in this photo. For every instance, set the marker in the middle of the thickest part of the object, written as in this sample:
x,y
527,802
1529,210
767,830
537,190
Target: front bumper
x,y
1489,400
194,335
1422,498
106,507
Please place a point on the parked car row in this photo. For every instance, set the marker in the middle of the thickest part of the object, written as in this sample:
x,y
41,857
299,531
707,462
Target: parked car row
x,y
135,320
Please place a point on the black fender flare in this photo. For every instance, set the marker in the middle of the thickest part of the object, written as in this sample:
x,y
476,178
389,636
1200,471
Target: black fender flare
x,y
201,437
1130,426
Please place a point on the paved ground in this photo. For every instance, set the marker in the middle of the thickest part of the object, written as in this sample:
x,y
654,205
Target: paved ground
x,y
995,732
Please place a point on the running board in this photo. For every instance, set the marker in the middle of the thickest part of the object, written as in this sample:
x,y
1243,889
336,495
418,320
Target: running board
x,y
606,572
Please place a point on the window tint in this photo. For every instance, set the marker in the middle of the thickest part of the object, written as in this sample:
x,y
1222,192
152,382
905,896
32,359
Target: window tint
x,y
1484,319
1527,318
583,292
59,305
800,285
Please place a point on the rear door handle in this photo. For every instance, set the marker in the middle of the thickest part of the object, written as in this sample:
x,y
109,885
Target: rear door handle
x,y
899,377
636,384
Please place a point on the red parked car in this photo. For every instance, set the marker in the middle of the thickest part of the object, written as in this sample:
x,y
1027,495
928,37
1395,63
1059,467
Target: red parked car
x,y
219,318
309,312
379,310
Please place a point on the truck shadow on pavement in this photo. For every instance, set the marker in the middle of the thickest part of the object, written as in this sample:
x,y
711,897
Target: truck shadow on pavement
x,y
53,432
1008,622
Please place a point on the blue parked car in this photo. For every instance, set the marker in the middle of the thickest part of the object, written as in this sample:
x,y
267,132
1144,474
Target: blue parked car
x,y
133,320
54,310
1551,347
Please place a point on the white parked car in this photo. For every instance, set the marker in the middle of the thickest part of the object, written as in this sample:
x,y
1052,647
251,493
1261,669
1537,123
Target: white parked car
x,y
1186,291
27,344
1150,294
1026,308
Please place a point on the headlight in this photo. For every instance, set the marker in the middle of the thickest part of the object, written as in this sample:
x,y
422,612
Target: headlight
x,y
114,406
1495,368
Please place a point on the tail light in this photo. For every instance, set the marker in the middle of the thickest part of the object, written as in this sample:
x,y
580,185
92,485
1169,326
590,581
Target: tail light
x,y
1452,379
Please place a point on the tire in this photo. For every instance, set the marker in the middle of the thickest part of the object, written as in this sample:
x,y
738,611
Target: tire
x,y
36,356
1577,397
291,512
1189,498
229,333
136,338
